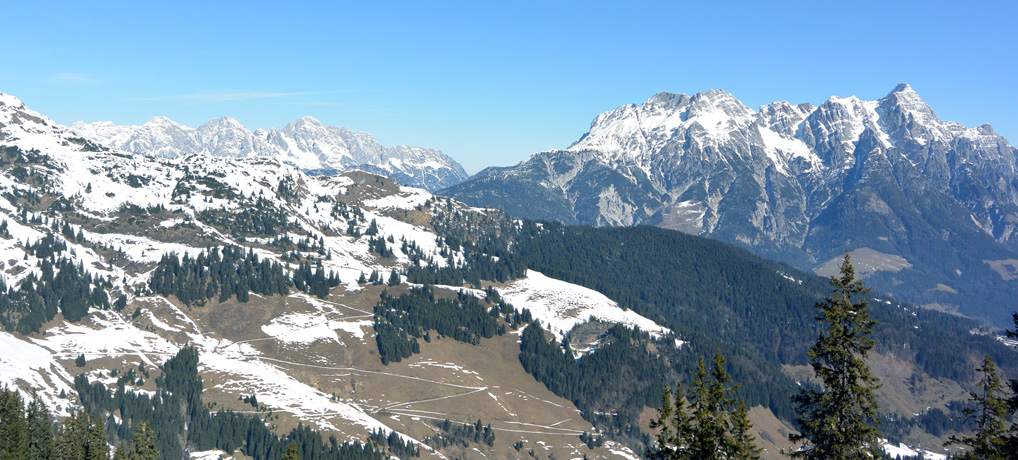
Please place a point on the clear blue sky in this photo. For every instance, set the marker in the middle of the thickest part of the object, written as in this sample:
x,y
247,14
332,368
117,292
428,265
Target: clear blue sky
x,y
490,84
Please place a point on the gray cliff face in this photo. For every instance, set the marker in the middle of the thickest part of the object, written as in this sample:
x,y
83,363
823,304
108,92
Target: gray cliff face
x,y
798,183
307,144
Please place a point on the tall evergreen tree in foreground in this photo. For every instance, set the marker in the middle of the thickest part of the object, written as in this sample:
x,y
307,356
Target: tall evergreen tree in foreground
x,y
715,426
1012,402
838,420
990,440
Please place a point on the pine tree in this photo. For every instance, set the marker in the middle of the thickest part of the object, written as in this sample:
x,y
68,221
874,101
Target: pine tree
x,y
1012,402
675,427
839,420
13,426
989,441
716,425
144,443
40,431
291,452
742,439
96,447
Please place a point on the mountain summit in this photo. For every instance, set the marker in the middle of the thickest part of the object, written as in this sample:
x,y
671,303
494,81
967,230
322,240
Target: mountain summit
x,y
931,199
307,143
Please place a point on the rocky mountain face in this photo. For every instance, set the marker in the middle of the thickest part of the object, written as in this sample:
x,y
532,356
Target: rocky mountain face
x,y
307,144
930,206
289,287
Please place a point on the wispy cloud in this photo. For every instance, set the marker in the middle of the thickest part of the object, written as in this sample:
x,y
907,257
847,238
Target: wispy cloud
x,y
322,104
204,98
75,79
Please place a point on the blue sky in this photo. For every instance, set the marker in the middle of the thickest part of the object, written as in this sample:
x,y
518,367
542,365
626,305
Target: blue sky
x,y
490,84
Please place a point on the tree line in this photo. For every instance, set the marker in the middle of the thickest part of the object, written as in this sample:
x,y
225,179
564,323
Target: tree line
x,y
31,432
610,385
180,421
61,286
401,321
222,273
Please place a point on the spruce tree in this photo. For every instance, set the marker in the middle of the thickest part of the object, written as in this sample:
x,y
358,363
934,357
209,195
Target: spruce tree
x,y
291,451
96,447
838,420
742,440
990,439
672,423
70,440
1012,402
121,453
144,443
13,426
714,427
708,399
40,431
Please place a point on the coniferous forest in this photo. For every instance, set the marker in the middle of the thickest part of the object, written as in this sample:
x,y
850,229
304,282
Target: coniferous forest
x,y
62,286
401,321
715,297
181,420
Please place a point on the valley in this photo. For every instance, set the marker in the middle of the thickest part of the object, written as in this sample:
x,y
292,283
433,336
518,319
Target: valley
x,y
353,308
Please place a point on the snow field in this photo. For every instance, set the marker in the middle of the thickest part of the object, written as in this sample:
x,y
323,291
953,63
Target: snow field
x,y
561,306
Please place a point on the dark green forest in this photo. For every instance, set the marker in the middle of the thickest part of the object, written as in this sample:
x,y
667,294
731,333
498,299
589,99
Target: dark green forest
x,y
181,421
716,296
62,286
713,295
401,321
610,385
231,271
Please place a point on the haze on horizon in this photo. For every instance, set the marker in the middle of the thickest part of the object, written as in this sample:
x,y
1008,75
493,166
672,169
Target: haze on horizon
x,y
492,84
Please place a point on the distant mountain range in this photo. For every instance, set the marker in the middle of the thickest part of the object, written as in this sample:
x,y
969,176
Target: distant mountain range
x,y
928,207
292,293
307,144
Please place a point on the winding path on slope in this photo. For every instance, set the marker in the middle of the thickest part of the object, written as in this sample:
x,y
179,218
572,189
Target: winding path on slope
x,y
403,407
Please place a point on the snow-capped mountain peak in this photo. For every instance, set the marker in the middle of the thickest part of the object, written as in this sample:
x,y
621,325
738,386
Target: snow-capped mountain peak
x,y
13,111
11,101
786,180
307,143
309,121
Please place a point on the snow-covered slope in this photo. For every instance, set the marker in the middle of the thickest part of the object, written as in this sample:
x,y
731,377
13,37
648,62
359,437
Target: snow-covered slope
x,y
307,144
561,306
116,214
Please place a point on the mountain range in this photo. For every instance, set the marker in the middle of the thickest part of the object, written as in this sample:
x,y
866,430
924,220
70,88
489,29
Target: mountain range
x,y
86,232
929,208
307,144
347,305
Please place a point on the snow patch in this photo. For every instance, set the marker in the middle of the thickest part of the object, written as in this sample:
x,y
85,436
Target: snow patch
x,y
24,364
560,306
300,328
902,450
